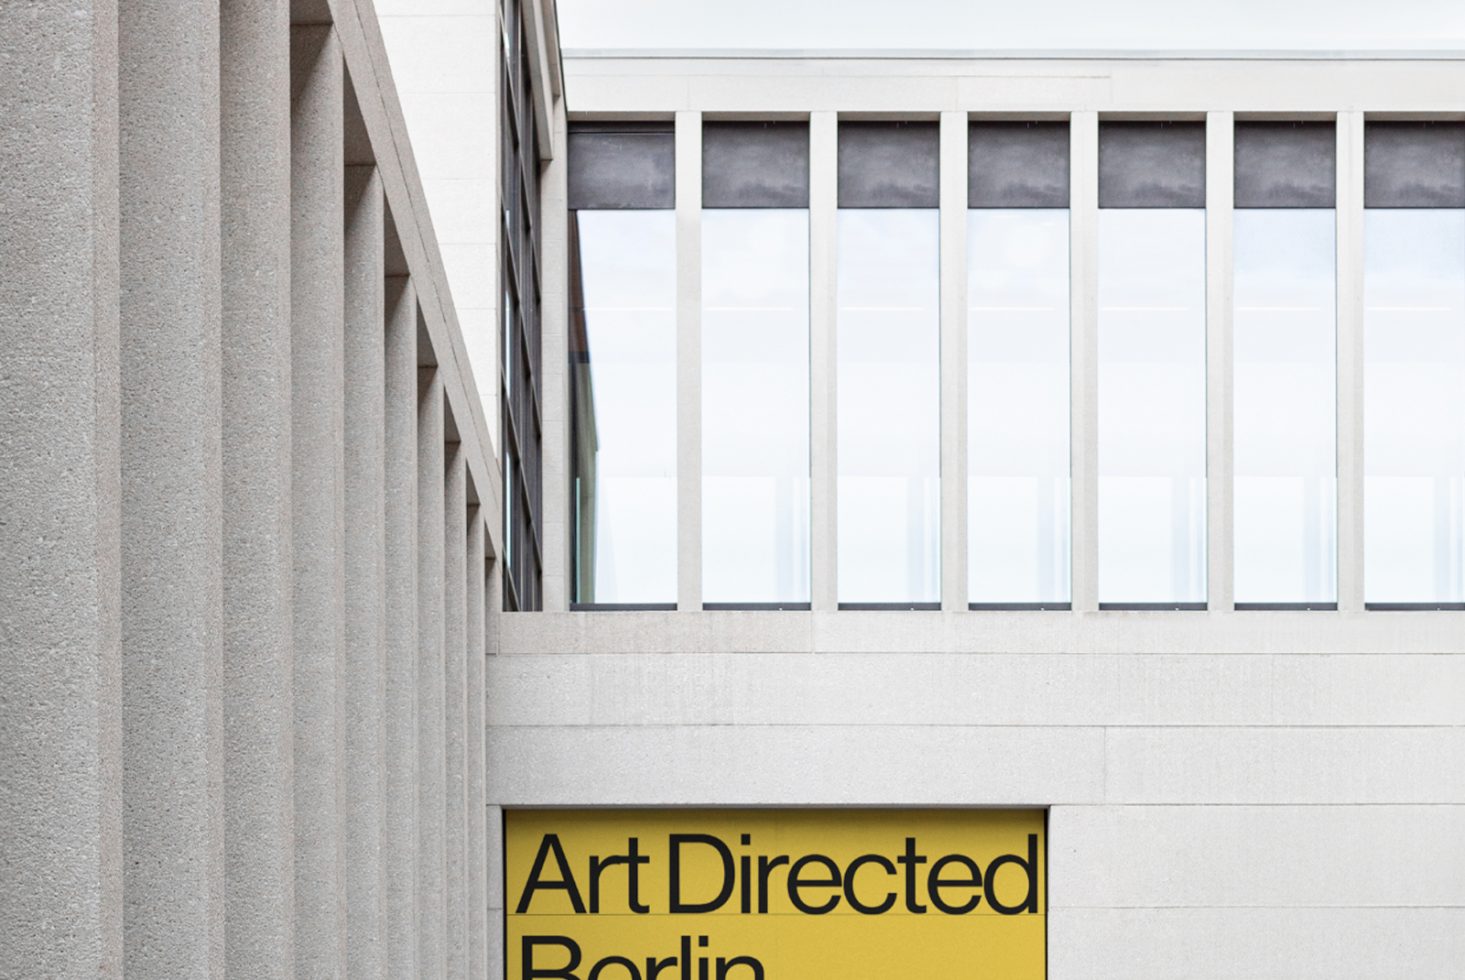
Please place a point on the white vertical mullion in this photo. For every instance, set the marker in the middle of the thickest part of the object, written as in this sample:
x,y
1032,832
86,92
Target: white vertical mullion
x,y
1083,356
554,379
689,359
1350,361
953,360
823,356
1220,289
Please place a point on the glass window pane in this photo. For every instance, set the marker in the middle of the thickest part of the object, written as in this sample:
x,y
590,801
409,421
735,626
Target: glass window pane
x,y
1414,405
755,405
889,406
1285,402
1152,406
1017,406
623,370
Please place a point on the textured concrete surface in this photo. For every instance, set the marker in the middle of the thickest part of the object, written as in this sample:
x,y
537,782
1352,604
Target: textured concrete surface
x,y
172,649
1414,164
365,561
889,165
399,695
476,860
178,401
1018,165
755,165
623,165
60,674
259,831
431,678
455,712
318,337
1152,165
1286,165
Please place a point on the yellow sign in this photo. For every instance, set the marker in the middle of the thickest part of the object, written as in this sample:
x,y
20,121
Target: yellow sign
x,y
775,894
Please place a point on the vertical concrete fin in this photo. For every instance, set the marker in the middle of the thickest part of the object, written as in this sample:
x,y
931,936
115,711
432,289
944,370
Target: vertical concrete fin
x,y
317,174
554,374
366,609
259,833
171,548
1350,362
106,483
823,363
953,536
399,705
689,359
477,860
60,676
455,711
1220,375
1084,357
431,677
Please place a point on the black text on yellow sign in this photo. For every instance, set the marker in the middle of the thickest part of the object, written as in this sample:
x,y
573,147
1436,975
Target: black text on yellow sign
x,y
775,894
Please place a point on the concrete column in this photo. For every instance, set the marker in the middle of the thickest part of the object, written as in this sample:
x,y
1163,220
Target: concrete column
x,y
172,650
259,831
60,675
554,378
689,359
953,361
399,696
477,860
496,955
1084,356
495,602
455,710
1350,362
431,677
823,362
317,174
366,608
1220,362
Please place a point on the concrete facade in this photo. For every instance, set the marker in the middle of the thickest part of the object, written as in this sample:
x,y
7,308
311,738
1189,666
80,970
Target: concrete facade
x,y
260,714
1259,794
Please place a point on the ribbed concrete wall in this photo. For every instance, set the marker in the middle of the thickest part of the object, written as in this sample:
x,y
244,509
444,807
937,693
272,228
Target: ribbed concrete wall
x,y
226,526
172,576
259,807
363,684
60,583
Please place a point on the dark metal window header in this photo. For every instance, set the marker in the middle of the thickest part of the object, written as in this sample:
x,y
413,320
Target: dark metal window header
x,y
1414,165
755,165
1152,165
1286,165
889,165
621,166
1017,165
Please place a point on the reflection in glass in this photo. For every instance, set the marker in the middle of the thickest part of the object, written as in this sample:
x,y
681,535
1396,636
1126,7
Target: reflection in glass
x,y
1152,406
889,406
1017,406
755,406
623,370
1285,407
1414,406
